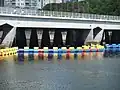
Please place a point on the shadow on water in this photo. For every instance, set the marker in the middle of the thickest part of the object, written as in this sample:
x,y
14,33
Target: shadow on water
x,y
83,71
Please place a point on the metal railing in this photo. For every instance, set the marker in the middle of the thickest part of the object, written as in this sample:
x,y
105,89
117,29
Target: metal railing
x,y
33,12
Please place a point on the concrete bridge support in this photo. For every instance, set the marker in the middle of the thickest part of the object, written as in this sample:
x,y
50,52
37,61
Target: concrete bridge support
x,y
9,38
51,35
28,34
96,32
39,35
84,36
115,37
45,38
33,39
58,39
5,28
89,36
99,36
20,38
1,33
71,38
64,34
107,37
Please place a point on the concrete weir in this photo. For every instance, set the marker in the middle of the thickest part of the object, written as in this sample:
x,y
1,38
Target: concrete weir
x,y
58,39
84,36
115,37
5,28
45,37
20,38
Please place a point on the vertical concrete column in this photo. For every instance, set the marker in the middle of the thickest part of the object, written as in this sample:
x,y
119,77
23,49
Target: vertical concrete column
x,y
1,33
106,37
111,36
8,40
5,28
64,34
99,36
39,34
74,38
51,34
28,34
90,36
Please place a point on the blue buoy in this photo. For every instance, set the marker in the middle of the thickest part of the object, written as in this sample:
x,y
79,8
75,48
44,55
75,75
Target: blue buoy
x,y
76,51
35,51
31,51
59,51
26,50
55,51
21,51
50,51
87,50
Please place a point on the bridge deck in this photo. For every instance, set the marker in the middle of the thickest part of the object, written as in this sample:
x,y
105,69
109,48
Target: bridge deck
x,y
33,12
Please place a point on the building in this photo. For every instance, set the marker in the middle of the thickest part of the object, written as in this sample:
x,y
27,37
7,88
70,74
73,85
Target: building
x,y
20,3
1,3
14,3
29,3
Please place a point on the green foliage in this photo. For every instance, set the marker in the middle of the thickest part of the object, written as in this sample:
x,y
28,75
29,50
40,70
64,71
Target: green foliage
x,y
66,7
109,7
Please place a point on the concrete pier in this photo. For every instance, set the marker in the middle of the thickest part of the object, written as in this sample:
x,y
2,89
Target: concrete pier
x,y
56,37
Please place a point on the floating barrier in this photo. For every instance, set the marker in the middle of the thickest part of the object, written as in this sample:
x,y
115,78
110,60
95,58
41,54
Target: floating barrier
x,y
62,50
21,51
8,52
86,48
113,47
57,51
36,49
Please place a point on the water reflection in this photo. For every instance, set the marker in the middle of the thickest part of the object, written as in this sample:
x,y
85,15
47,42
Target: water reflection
x,y
81,71
25,58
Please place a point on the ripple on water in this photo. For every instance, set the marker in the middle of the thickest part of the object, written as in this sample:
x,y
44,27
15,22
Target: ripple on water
x,y
95,74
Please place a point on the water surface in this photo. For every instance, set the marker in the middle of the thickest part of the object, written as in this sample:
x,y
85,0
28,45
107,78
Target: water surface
x,y
93,71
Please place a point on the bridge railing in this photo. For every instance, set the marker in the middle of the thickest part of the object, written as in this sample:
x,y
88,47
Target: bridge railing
x,y
18,11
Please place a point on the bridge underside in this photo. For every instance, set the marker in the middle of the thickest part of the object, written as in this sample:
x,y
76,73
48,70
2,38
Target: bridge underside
x,y
50,37
70,38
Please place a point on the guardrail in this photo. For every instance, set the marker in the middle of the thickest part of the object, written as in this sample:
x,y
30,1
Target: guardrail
x,y
35,12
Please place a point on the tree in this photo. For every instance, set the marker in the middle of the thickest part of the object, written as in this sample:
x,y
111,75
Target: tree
x,y
109,7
